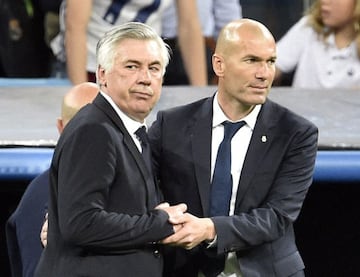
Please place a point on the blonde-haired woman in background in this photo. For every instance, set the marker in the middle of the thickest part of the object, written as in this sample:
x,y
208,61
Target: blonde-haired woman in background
x,y
323,47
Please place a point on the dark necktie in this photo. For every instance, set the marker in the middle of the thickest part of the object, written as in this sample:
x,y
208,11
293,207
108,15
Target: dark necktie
x,y
146,152
221,186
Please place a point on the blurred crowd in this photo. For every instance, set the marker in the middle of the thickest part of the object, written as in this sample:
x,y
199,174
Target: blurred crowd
x,y
318,41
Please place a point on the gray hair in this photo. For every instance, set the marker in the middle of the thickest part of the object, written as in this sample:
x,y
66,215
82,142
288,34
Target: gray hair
x,y
105,48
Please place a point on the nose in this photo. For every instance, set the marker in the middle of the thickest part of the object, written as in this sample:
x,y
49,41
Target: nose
x,y
263,70
144,76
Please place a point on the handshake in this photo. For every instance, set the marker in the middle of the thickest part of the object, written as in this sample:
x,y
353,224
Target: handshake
x,y
189,230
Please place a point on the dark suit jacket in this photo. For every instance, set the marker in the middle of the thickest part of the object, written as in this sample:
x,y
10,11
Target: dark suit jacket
x,y
275,178
102,220
24,225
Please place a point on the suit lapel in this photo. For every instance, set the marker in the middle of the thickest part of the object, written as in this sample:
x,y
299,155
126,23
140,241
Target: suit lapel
x,y
106,107
200,133
261,140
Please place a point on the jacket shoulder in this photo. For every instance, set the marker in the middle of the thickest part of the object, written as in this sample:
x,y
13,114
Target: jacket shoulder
x,y
187,109
285,116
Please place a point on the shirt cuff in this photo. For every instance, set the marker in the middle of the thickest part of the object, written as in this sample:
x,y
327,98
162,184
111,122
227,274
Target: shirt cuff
x,y
212,243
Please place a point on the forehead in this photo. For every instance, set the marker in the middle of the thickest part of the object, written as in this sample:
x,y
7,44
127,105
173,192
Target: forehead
x,y
138,50
258,47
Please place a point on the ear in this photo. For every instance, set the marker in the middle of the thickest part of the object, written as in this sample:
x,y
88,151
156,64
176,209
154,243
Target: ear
x,y
218,65
101,79
59,125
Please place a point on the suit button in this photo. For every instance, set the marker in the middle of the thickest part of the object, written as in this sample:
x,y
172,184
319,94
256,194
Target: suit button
x,y
157,253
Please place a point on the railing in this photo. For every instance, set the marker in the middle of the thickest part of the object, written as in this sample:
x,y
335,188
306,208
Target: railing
x,y
26,163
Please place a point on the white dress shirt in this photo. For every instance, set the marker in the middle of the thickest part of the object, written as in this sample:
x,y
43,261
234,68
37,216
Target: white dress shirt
x,y
239,146
130,124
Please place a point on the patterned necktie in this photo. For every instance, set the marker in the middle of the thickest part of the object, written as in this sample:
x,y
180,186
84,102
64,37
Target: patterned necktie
x,y
221,187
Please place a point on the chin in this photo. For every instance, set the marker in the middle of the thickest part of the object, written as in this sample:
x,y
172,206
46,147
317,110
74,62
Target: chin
x,y
258,99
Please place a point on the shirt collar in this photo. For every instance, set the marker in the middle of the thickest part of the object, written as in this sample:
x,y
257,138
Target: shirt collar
x,y
131,125
219,117
330,40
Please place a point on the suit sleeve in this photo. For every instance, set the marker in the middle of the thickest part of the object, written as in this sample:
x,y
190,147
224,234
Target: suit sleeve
x,y
13,247
154,134
87,171
287,183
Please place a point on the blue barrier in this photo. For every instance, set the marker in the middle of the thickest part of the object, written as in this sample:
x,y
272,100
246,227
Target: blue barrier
x,y
21,82
337,166
26,163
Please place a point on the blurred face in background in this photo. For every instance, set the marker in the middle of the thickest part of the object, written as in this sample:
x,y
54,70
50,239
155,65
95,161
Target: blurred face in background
x,y
337,13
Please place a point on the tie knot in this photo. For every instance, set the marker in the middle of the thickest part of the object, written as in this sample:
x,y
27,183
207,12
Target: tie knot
x,y
142,135
230,128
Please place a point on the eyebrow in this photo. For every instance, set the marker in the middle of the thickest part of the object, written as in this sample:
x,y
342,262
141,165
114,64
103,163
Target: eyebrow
x,y
139,62
251,56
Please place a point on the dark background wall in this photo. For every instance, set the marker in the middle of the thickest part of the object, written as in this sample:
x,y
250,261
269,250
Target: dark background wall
x,y
277,15
10,194
327,230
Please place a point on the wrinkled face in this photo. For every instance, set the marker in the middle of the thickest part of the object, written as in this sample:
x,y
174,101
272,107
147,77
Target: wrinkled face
x,y
134,83
247,69
337,13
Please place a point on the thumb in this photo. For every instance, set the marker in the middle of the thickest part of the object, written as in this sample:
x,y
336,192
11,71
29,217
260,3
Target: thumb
x,y
162,205
182,207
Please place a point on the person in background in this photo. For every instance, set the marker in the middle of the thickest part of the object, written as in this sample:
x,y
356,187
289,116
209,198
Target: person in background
x,y
84,22
323,47
23,49
244,193
214,14
23,226
105,213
